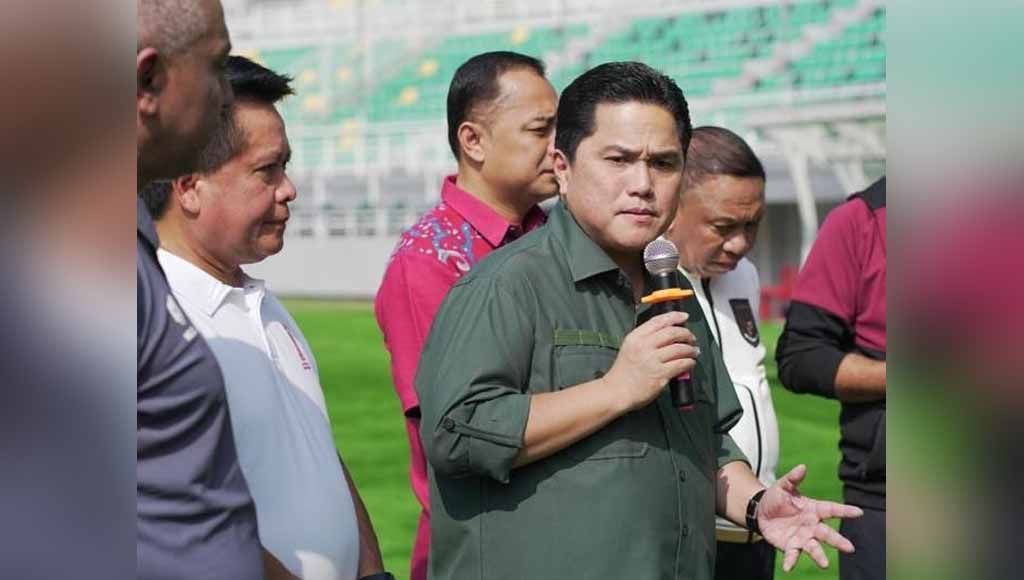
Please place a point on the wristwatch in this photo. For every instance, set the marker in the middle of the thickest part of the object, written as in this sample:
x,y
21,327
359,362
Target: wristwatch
x,y
752,505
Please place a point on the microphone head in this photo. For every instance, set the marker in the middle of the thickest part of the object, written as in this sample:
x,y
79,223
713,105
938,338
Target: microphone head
x,y
661,257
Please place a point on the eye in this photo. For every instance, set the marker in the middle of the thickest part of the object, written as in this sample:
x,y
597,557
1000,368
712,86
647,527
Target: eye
x,y
615,159
541,131
270,171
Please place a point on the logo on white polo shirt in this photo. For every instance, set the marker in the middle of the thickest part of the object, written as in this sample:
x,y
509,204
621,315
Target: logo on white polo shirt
x,y
306,365
744,315
175,311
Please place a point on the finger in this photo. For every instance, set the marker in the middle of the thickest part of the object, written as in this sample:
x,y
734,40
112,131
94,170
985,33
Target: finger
x,y
674,352
792,480
679,367
670,335
815,551
673,334
831,509
662,320
826,534
789,560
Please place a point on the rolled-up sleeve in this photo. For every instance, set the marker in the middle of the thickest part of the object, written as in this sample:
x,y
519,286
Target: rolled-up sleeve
x,y
472,381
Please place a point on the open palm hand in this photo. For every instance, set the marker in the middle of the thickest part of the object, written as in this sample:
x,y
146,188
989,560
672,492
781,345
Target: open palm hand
x,y
794,523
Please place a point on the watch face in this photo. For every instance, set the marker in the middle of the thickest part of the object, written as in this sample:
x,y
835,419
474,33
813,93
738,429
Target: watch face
x,y
744,316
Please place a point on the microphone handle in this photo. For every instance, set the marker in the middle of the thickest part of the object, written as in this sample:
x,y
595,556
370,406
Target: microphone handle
x,y
681,387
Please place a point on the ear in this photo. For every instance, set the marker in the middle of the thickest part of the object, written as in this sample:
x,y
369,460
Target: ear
x,y
186,190
151,77
563,171
472,141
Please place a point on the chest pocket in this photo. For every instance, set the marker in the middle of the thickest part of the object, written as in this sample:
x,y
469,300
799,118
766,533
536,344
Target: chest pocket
x,y
583,357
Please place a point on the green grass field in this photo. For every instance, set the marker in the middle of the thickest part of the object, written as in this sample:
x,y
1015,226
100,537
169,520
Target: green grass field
x,y
369,431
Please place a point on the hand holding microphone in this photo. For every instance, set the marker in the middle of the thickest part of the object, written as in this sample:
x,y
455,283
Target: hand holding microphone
x,y
660,350
651,355
661,258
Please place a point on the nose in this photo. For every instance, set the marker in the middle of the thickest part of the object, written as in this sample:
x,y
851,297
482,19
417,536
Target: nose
x,y
738,244
286,192
640,183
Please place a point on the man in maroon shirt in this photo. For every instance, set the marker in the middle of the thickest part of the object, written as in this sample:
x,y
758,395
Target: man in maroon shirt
x,y
834,346
501,120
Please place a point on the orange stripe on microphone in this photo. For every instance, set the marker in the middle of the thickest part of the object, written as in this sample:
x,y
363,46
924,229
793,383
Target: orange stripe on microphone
x,y
666,295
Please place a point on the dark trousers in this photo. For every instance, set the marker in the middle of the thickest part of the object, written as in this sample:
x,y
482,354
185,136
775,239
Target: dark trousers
x,y
745,561
868,536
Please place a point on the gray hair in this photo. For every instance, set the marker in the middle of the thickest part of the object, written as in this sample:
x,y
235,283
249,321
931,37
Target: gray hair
x,y
172,26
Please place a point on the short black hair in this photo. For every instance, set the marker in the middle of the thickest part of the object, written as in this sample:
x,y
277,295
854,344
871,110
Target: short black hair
x,y
476,82
250,82
616,82
719,151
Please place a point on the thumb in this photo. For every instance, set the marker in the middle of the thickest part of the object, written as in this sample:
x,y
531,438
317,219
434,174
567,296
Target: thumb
x,y
794,478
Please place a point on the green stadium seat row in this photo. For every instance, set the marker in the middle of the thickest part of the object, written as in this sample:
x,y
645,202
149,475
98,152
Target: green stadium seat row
x,y
697,49
856,57
418,90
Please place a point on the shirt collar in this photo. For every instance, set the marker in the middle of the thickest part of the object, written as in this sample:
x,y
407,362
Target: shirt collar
x,y
199,287
586,259
485,220
144,226
691,277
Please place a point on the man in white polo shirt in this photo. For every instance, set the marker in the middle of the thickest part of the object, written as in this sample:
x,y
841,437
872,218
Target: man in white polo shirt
x,y
233,212
721,205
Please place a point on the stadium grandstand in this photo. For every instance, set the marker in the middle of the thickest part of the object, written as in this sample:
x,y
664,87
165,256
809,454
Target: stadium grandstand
x,y
803,81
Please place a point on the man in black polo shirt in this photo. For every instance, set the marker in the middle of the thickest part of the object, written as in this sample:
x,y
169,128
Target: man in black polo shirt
x,y
195,517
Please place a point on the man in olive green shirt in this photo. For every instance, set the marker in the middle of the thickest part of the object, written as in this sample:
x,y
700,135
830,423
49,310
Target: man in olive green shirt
x,y
554,448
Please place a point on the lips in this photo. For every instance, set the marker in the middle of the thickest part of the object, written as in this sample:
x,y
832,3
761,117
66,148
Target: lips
x,y
639,211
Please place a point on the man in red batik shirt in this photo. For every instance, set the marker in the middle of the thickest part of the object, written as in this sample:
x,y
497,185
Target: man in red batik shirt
x,y
501,122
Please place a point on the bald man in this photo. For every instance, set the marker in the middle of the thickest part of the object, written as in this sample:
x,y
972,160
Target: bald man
x,y
196,519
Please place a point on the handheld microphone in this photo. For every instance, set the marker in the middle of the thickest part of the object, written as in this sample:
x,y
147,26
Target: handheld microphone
x,y
661,258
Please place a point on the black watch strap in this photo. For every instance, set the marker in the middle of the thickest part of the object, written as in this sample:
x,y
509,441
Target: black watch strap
x,y
755,501
379,576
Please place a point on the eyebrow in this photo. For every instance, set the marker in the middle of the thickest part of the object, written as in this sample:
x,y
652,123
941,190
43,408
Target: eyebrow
x,y
657,155
667,156
733,221
276,156
541,118
618,149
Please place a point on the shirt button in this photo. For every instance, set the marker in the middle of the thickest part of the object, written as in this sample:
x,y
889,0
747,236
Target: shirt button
x,y
448,423
686,530
682,475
